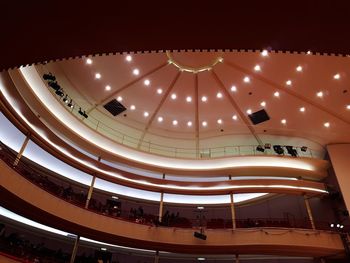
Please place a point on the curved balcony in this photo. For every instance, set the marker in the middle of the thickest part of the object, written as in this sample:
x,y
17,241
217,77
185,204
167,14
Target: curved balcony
x,y
250,236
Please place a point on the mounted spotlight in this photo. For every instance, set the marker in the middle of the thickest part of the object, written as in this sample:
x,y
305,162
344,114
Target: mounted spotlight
x,y
59,93
85,115
267,146
80,112
260,148
70,104
278,149
331,225
49,77
200,235
54,85
303,148
65,99
292,151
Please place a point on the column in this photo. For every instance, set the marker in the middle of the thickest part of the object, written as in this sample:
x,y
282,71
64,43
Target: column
x,y
161,205
309,212
75,249
156,257
20,153
90,192
232,205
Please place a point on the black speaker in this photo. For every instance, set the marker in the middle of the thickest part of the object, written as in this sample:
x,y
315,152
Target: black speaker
x,y
200,235
114,107
259,117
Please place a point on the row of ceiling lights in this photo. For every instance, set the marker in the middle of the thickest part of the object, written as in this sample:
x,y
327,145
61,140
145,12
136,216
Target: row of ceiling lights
x,y
219,95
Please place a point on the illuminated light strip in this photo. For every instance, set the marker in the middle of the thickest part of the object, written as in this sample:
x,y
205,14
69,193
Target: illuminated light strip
x,y
40,90
143,182
23,220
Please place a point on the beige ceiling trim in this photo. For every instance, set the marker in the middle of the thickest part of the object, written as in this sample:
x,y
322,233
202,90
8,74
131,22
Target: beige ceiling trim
x,y
149,123
236,107
127,86
286,90
196,95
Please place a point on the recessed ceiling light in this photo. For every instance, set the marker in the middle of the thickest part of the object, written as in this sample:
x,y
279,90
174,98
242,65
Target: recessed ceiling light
x,y
302,109
234,117
219,121
249,111
257,68
160,119
173,96
283,121
219,95
204,98
120,98
89,61
159,91
108,87
128,58
146,114
299,68
319,94
276,94
336,76
326,124
204,124
289,82
188,98
264,53
189,123
233,88
147,82
97,75
246,79
132,107
174,122
348,107
136,71
263,104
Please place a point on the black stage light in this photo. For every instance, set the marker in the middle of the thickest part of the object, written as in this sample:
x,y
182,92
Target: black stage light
x,y
65,99
303,149
59,93
80,111
49,77
278,149
200,235
292,151
260,148
54,85
85,115
70,104
267,146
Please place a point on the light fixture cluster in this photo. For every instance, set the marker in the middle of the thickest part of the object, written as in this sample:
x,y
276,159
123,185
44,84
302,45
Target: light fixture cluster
x,y
336,225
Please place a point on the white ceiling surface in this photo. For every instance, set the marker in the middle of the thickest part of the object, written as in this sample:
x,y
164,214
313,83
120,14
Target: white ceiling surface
x,y
35,82
12,137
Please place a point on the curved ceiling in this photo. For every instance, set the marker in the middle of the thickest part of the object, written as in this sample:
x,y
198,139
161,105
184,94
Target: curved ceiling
x,y
195,100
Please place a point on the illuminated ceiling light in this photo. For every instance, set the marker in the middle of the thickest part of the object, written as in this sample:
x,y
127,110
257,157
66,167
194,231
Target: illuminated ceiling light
x,y
299,68
249,111
319,94
348,107
263,104
128,58
326,124
159,91
204,98
201,259
136,71
189,123
336,76
219,95
246,79
145,114
302,109
147,82
108,88
174,122
289,82
120,98
132,107
264,53
308,52
188,98
97,75
257,68
234,117
276,94
89,61
233,88
160,119
173,96
283,121
219,121
204,124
